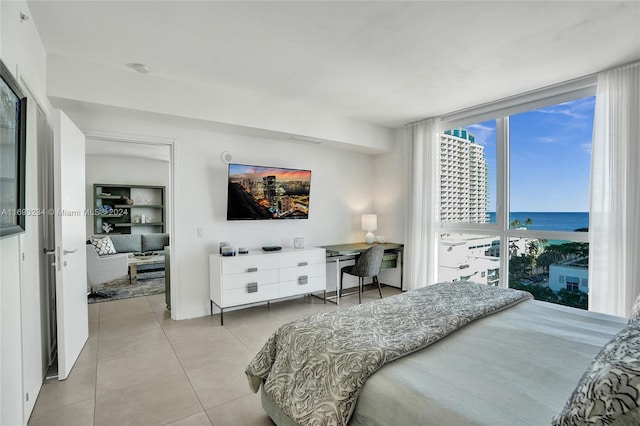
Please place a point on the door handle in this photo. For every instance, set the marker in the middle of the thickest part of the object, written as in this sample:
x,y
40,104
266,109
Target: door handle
x,y
58,263
50,252
69,251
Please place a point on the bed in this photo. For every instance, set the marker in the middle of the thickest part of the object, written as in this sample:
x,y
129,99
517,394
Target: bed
x,y
520,362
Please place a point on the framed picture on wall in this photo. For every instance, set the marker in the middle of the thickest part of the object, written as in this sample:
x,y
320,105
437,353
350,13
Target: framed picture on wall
x,y
13,134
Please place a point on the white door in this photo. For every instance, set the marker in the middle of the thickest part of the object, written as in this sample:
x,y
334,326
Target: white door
x,y
70,228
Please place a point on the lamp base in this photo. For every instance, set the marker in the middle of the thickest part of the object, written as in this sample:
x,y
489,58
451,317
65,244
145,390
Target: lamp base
x,y
369,238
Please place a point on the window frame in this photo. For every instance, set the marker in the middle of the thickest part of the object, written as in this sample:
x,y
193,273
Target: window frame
x,y
500,111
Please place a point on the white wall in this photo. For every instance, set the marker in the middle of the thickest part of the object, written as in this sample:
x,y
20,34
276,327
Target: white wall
x,y
123,170
390,191
11,335
342,187
390,200
21,349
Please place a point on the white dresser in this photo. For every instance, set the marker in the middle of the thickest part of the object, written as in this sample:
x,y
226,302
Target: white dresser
x,y
263,276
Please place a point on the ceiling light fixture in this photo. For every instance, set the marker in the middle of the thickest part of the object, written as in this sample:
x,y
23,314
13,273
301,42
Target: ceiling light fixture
x,y
141,68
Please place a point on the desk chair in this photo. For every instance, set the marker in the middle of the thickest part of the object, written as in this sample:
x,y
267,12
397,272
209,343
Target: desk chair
x,y
367,265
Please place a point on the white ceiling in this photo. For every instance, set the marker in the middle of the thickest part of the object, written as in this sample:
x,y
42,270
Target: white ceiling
x,y
383,62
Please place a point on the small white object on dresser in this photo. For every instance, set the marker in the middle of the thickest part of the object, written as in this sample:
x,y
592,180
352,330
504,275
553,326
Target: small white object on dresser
x,y
261,277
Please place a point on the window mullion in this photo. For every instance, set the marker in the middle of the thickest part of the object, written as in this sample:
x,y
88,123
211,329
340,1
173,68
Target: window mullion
x,y
502,199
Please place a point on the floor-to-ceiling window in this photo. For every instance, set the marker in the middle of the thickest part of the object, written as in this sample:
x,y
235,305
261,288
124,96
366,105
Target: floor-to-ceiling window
x,y
514,195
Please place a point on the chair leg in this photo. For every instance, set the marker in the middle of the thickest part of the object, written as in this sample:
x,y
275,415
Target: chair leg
x,y
341,277
375,279
360,281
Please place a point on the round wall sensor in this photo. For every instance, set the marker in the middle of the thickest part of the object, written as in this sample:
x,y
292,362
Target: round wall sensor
x,y
226,157
141,68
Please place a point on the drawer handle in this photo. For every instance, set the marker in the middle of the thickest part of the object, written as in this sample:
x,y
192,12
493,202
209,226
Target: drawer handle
x,y
252,269
303,280
303,263
252,288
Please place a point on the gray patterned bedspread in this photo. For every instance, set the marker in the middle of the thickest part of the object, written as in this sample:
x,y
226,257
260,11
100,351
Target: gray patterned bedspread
x,y
314,368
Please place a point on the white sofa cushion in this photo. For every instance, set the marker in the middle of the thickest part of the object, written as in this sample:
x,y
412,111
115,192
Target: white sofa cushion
x,y
103,245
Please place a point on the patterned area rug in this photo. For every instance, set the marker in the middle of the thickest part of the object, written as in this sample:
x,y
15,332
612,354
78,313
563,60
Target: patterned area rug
x,y
148,283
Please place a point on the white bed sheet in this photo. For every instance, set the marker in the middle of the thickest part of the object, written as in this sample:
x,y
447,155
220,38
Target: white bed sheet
x,y
515,367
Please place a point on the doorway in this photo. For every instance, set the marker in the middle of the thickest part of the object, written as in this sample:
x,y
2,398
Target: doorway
x,y
143,169
48,311
124,151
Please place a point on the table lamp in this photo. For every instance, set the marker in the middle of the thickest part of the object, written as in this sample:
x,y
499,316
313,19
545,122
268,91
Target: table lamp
x,y
369,223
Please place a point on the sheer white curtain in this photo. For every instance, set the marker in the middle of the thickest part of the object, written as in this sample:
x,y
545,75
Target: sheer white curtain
x,y
614,229
422,168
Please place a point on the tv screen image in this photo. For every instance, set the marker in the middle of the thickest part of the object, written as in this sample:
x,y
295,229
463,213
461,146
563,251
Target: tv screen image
x,y
260,192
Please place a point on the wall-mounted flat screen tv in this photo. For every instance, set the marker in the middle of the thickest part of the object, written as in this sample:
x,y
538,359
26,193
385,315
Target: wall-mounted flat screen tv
x,y
260,192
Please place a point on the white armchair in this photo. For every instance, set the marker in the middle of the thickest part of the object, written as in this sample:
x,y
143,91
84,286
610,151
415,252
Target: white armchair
x,y
102,269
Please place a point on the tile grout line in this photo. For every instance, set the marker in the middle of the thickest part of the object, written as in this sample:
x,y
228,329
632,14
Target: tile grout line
x,y
148,381
181,366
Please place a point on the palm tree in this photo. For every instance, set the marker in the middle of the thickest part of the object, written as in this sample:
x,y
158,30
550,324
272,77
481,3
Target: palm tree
x,y
515,223
533,248
528,222
513,248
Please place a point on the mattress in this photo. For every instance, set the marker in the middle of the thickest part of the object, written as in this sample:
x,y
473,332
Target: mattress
x,y
515,367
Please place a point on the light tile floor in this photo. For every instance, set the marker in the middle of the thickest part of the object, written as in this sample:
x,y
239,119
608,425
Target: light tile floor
x,y
141,368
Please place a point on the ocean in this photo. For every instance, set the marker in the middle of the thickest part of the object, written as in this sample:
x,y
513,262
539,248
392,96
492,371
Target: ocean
x,y
549,221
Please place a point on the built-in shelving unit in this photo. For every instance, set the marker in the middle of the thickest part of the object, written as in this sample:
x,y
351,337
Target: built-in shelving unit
x,y
145,214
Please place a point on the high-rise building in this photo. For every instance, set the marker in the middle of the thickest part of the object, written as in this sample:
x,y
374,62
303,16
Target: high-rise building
x,y
270,192
463,178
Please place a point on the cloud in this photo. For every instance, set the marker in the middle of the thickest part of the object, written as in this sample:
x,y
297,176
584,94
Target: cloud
x,y
574,109
562,111
546,139
484,134
586,147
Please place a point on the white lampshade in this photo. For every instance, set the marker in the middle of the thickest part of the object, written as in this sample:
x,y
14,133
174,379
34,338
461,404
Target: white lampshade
x,y
369,223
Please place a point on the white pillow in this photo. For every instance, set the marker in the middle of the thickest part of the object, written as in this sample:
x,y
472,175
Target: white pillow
x,y
103,245
609,391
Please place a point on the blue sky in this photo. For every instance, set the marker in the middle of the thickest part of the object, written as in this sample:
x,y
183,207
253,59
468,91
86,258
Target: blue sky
x,y
550,157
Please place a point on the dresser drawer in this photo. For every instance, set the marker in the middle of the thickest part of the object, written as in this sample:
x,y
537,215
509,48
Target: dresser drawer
x,y
389,260
240,280
259,277
301,286
239,264
244,295
302,258
289,274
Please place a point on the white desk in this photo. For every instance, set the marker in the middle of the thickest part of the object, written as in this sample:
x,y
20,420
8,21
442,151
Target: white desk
x,y
347,252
